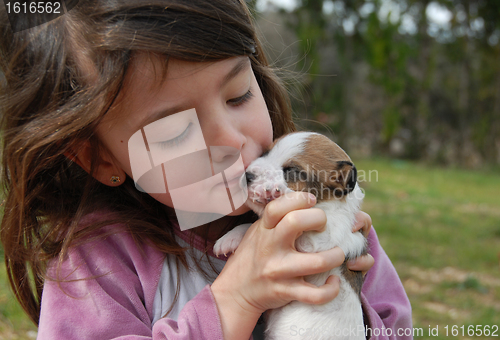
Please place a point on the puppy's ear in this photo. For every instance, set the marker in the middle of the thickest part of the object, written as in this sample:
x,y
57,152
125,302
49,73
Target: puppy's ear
x,y
344,178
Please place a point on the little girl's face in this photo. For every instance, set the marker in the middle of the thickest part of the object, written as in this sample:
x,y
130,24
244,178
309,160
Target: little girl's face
x,y
214,106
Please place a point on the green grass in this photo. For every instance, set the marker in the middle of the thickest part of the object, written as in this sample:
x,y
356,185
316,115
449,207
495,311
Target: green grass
x,y
434,218
14,324
441,229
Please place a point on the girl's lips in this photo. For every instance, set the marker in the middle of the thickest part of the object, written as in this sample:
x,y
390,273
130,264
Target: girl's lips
x,y
236,180
237,177
233,180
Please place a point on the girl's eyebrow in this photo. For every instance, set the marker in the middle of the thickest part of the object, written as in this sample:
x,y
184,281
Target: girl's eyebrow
x,y
162,113
237,69
242,64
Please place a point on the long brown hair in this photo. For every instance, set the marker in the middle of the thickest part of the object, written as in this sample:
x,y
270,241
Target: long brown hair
x,y
60,78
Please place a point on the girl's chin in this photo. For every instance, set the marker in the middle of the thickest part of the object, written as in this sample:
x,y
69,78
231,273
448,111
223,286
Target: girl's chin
x,y
198,204
240,211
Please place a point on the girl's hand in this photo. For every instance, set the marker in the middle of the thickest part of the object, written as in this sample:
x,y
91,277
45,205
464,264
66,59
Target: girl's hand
x,y
267,272
365,262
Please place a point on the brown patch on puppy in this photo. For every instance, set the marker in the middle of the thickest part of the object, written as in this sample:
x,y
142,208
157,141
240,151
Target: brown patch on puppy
x,y
323,169
355,279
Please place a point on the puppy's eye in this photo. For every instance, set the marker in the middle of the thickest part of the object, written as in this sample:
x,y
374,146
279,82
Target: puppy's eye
x,y
294,174
289,169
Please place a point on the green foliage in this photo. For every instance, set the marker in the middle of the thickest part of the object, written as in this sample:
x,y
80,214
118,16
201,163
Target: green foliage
x,y
392,120
439,82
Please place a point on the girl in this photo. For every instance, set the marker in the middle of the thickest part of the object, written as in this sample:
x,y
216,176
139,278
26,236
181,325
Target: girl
x,y
90,256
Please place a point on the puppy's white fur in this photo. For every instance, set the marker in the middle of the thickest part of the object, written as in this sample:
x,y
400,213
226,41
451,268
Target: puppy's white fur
x,y
341,318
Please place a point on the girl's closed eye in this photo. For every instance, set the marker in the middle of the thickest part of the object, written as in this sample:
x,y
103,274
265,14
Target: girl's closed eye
x,y
242,99
176,141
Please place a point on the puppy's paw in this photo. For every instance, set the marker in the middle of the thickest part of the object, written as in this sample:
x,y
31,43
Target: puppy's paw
x,y
228,243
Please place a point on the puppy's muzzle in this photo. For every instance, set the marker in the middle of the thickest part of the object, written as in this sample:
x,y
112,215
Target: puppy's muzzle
x,y
250,177
263,188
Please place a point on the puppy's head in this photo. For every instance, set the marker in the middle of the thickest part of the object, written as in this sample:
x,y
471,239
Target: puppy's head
x,y
302,161
321,168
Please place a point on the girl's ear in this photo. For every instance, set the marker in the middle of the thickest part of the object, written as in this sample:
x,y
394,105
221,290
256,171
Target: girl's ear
x,y
107,172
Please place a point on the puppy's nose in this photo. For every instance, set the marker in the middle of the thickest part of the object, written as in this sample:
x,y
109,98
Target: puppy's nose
x,y
250,176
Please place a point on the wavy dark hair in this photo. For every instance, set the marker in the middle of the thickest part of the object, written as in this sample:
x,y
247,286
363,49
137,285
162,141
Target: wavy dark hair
x,y
60,79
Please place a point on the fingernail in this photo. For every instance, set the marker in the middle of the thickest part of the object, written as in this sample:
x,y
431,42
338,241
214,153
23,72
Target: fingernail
x,y
312,198
333,279
351,263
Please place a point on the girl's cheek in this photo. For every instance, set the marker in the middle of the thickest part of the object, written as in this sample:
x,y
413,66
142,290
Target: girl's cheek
x,y
262,123
267,137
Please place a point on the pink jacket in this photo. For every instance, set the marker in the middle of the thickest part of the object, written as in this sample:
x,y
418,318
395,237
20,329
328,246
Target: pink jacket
x,y
109,285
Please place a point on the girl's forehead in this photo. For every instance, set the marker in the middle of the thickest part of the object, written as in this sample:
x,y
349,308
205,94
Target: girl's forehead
x,y
146,70
154,70
153,78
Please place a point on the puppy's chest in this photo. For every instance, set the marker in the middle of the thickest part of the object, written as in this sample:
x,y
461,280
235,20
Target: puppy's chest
x,y
337,232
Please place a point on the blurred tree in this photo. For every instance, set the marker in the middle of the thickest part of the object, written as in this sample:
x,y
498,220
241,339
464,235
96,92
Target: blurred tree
x,y
252,5
439,79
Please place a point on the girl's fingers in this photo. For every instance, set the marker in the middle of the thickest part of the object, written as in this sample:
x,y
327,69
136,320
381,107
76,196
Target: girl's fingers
x,y
361,264
363,221
303,264
314,263
293,224
308,293
277,209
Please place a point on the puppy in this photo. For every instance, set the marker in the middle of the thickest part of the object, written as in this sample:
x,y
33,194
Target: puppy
x,y
306,161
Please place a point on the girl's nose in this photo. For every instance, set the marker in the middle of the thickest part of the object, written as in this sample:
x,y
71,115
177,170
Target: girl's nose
x,y
221,154
225,133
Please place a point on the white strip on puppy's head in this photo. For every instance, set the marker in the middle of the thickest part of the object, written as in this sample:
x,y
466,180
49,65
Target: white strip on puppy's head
x,y
301,161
